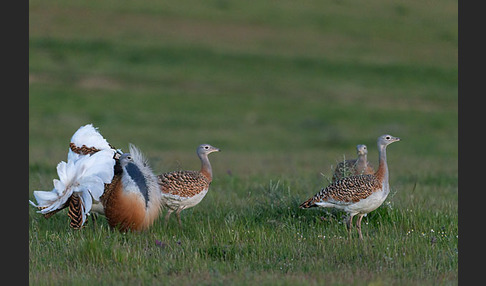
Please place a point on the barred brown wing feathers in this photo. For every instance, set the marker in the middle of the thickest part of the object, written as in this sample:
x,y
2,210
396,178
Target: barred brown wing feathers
x,y
83,150
308,204
109,191
183,183
48,215
75,212
351,189
347,190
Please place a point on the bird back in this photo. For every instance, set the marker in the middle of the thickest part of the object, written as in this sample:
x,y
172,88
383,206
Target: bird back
x,y
183,183
345,191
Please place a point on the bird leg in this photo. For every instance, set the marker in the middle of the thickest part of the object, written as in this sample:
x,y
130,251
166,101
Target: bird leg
x,y
94,217
349,223
178,213
358,226
167,216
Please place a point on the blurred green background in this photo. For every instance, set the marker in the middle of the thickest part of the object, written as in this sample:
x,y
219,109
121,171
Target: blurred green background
x,y
285,88
281,79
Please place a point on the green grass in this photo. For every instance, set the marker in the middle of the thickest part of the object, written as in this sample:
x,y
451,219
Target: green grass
x,y
286,91
262,237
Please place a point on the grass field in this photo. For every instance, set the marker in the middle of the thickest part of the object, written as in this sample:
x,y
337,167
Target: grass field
x,y
286,89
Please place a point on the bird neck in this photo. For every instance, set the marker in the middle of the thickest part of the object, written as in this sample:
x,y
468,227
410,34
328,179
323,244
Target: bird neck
x,y
382,172
206,169
361,162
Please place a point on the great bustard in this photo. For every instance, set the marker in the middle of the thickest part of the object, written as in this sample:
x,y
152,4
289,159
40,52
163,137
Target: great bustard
x,y
132,200
360,194
351,167
98,178
185,189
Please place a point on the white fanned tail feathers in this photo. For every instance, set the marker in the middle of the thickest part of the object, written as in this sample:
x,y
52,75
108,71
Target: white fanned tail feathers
x,y
89,136
87,140
89,167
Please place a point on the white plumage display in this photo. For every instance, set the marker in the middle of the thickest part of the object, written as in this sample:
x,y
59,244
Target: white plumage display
x,y
94,179
82,178
85,177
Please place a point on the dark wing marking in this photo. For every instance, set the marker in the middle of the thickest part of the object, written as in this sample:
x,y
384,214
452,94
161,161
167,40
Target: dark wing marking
x,y
139,179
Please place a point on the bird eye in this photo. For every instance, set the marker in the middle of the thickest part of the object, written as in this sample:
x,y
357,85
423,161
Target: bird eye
x,y
129,157
388,138
206,147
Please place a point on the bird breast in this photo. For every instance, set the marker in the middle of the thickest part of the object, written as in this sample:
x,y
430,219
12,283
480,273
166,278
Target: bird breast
x,y
368,204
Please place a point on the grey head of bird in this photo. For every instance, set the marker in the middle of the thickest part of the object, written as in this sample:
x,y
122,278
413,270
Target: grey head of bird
x,y
385,140
362,149
205,149
125,158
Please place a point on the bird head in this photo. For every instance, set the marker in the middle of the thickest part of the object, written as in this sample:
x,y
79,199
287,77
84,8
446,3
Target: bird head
x,y
385,140
125,158
205,149
361,149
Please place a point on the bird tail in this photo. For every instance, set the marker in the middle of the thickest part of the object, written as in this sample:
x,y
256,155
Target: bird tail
x,y
89,137
81,179
310,203
307,204
87,140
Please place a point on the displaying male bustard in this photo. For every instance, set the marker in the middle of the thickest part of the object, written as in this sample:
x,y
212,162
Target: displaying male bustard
x,y
359,194
185,189
99,178
358,166
132,200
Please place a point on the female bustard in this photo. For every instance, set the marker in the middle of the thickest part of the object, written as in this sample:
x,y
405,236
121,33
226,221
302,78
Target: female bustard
x,y
358,166
185,189
360,194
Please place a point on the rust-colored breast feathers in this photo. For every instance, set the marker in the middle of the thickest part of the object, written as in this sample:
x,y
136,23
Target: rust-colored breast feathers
x,y
123,211
369,169
183,183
